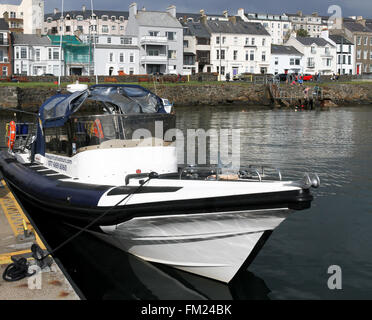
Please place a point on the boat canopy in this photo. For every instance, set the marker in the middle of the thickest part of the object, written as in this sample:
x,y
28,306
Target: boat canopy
x,y
131,99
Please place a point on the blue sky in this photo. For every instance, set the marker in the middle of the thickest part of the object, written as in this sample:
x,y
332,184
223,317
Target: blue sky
x,y
349,7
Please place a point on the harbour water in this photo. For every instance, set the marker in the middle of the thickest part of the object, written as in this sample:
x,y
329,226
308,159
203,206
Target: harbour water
x,y
335,143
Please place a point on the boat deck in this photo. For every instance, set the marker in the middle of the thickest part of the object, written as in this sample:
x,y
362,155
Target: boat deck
x,y
17,234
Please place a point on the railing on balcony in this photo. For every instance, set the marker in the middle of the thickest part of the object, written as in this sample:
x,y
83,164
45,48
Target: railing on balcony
x,y
159,58
4,42
153,39
311,65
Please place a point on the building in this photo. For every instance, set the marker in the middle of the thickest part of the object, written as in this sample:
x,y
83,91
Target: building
x,y
278,25
5,49
238,47
312,23
196,48
114,55
345,53
319,54
35,55
360,33
285,59
28,17
78,56
160,37
103,22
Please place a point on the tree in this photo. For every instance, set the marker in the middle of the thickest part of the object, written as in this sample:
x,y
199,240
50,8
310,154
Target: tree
x,y
302,33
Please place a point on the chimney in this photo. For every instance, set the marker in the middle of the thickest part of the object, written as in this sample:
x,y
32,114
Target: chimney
x,y
232,19
172,11
361,21
83,8
315,14
241,12
55,11
299,13
225,14
133,9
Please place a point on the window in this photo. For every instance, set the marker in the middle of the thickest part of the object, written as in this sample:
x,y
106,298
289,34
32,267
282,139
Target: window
x,y
235,55
247,41
111,57
292,61
113,28
185,43
153,33
252,55
222,54
253,41
56,141
105,29
131,58
153,52
37,54
172,54
50,53
12,15
366,41
5,71
247,55
218,54
365,55
131,71
79,18
113,18
121,19
359,54
23,53
263,42
217,41
359,40
121,57
276,61
263,55
297,62
235,40
68,28
223,70
223,40
55,53
349,60
1,56
104,18
108,40
171,36
17,52
49,20
313,50
327,51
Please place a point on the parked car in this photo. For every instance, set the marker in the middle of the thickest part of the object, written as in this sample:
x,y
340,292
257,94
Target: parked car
x,y
47,75
282,77
308,77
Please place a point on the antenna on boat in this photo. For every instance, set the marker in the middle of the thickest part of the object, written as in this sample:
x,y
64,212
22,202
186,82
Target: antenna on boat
x,y
60,49
94,42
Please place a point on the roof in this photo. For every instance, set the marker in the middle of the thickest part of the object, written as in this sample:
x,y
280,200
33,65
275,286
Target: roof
x,y
87,13
308,41
197,29
157,19
4,25
239,27
356,27
279,49
336,38
71,40
31,39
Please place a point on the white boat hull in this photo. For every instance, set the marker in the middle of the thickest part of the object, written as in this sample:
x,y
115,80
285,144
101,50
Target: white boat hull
x,y
213,245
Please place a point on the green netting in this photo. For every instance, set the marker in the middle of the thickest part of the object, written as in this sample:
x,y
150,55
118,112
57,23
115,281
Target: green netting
x,y
74,50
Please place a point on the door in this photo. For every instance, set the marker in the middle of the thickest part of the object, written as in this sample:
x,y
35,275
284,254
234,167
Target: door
x,y
358,69
235,71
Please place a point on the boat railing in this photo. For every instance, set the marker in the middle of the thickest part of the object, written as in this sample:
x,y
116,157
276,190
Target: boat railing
x,y
250,172
25,135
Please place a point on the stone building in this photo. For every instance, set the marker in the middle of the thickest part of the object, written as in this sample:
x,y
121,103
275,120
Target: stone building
x,y
27,17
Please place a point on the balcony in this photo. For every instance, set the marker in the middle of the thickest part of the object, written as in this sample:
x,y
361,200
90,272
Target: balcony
x,y
160,59
154,40
4,42
310,65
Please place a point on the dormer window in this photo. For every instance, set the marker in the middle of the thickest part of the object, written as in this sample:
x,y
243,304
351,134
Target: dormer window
x,y
121,19
49,20
113,18
79,18
104,18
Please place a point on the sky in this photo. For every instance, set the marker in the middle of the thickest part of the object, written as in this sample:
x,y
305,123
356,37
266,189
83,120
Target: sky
x,y
348,7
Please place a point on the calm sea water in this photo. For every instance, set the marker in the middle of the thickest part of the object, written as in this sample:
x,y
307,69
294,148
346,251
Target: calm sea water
x,y
335,143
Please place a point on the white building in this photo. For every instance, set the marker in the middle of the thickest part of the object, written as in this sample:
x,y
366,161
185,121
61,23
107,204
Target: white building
x,y
312,23
238,47
34,55
27,17
345,53
285,60
277,25
78,22
319,54
114,55
160,37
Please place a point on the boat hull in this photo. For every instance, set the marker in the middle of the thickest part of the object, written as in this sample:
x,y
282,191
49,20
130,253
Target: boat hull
x,y
212,245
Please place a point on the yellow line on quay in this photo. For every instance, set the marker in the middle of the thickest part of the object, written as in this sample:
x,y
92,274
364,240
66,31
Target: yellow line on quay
x,y
17,219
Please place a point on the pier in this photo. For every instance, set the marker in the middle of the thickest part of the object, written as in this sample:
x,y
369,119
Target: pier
x,y
17,234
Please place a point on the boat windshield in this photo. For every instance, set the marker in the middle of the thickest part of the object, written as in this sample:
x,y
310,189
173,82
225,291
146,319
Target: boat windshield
x,y
81,133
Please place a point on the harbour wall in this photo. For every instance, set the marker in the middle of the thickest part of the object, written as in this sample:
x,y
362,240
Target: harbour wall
x,y
30,99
